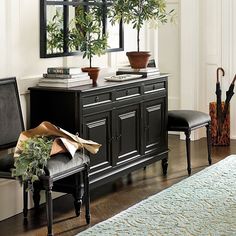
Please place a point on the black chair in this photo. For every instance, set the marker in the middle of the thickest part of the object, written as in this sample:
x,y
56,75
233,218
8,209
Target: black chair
x,y
186,121
59,168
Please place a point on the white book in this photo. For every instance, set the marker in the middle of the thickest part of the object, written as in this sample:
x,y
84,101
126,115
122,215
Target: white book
x,y
146,70
64,76
65,85
64,70
84,78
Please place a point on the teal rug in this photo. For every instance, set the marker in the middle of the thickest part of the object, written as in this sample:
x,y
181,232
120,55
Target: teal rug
x,y
203,204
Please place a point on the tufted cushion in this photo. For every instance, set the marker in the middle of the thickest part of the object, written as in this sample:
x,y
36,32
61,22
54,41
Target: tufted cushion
x,y
181,120
64,163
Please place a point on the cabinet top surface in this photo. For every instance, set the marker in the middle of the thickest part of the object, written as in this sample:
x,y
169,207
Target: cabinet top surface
x,y
102,84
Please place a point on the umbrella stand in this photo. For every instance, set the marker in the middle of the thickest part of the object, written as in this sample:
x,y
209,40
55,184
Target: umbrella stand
x,y
220,123
221,138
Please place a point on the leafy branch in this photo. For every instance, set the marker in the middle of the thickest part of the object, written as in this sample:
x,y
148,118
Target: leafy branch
x,y
30,163
137,12
55,33
87,34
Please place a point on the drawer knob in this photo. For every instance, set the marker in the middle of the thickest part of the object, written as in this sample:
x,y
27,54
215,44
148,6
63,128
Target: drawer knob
x,y
96,99
154,86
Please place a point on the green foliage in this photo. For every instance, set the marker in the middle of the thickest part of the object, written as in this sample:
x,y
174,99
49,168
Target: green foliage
x,y
55,33
137,12
87,33
29,165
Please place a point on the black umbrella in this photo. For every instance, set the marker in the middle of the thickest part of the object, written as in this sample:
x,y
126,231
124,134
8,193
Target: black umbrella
x,y
218,99
229,95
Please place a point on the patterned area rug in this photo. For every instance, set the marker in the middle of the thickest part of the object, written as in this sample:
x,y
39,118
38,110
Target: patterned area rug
x,y
203,204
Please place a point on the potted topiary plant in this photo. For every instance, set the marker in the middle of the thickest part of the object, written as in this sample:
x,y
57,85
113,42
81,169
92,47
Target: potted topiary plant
x,y
88,36
137,12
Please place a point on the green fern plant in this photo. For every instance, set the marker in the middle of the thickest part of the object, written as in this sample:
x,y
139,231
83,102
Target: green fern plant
x,y
30,163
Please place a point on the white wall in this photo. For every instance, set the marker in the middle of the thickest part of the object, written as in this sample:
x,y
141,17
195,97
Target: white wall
x,y
19,46
168,56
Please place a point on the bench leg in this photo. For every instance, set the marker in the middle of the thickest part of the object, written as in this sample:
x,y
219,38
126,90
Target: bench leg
x,y
48,194
208,133
25,200
86,193
77,194
187,134
36,195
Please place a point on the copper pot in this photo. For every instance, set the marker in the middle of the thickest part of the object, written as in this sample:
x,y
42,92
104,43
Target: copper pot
x,y
92,72
138,60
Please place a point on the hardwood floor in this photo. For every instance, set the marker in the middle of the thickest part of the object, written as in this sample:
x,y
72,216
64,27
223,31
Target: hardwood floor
x,y
112,198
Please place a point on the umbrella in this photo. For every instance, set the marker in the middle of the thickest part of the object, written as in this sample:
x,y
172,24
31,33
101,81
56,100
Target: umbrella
x,y
218,99
229,95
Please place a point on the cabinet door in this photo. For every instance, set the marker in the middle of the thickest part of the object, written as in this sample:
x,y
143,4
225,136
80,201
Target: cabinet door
x,y
127,133
98,128
154,125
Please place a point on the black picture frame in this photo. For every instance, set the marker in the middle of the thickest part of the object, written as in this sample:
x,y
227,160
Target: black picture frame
x,y
66,4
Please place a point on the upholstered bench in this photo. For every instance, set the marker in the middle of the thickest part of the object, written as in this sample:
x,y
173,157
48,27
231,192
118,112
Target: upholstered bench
x,y
58,167
186,121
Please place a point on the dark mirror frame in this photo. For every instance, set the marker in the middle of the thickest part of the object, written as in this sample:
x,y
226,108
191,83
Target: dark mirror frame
x,y
66,3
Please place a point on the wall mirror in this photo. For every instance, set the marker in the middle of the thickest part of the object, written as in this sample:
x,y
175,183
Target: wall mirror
x,y
56,20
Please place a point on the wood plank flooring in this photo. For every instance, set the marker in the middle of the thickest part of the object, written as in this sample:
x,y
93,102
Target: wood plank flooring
x,y
115,197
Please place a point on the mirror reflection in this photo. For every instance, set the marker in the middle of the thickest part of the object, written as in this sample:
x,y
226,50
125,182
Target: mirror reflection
x,y
58,24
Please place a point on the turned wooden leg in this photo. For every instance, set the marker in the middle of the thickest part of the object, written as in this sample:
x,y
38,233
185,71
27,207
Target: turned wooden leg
x,y
164,164
48,183
25,201
129,178
77,194
208,132
86,193
36,194
187,134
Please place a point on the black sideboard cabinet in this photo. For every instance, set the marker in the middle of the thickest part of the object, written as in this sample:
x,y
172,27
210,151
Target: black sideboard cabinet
x,y
128,118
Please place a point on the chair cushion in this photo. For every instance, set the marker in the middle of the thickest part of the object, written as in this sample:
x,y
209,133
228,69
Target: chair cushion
x,y
62,163
182,120
6,162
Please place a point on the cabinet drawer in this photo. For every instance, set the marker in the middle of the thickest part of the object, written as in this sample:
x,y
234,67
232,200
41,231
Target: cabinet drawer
x,y
96,99
127,93
154,87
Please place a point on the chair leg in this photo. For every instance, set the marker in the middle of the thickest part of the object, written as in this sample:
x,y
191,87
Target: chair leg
x,y
187,134
49,207
86,193
25,200
208,132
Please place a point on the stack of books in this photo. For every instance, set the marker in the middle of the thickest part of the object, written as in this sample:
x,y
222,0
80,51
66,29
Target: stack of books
x,y
145,72
64,77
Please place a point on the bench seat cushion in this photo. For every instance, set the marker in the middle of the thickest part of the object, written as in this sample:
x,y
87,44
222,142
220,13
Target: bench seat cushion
x,y
182,120
63,163
56,164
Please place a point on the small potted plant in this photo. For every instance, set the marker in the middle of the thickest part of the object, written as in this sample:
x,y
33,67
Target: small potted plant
x,y
87,35
137,12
